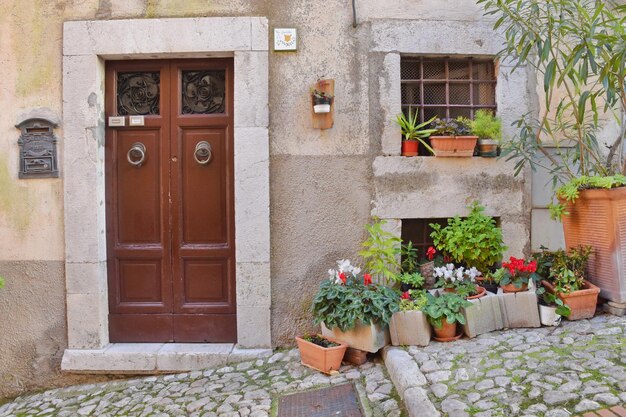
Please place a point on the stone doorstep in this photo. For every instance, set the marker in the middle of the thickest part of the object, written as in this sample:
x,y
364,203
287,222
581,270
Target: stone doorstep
x,y
150,358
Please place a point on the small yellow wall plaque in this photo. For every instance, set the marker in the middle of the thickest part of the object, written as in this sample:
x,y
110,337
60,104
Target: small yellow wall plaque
x,y
285,39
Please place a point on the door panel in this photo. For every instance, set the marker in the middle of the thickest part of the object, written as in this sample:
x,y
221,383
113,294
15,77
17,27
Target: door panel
x,y
138,189
170,219
203,188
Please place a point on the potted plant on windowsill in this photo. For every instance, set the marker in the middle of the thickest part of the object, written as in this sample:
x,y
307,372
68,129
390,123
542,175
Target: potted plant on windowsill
x,y
409,326
488,128
444,312
353,309
321,101
321,353
411,263
453,137
413,133
564,274
583,73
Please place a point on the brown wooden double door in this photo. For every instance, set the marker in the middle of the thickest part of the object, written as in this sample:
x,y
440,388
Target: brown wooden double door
x,y
170,201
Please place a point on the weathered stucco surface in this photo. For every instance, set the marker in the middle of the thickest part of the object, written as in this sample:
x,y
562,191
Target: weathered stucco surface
x,y
321,186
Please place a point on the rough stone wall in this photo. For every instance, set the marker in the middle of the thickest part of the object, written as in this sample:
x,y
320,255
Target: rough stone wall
x,y
321,181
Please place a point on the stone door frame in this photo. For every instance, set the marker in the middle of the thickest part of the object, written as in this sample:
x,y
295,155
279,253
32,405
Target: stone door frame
x,y
86,47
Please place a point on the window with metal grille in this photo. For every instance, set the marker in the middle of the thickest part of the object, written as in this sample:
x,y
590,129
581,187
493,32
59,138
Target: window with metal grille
x,y
417,231
447,87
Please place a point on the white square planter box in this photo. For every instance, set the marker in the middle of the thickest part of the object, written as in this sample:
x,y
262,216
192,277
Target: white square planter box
x,y
370,338
409,328
519,309
483,316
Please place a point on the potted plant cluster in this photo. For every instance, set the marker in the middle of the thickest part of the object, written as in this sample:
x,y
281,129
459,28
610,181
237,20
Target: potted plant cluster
x,y
413,133
583,71
353,309
321,101
564,273
488,128
321,353
453,137
444,312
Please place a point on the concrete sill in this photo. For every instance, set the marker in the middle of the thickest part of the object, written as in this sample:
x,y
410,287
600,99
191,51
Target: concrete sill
x,y
386,165
151,358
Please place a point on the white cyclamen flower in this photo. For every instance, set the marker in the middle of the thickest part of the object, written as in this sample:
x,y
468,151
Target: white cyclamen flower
x,y
356,271
344,265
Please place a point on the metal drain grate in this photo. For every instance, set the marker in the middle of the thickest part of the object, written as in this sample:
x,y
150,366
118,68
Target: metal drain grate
x,y
336,401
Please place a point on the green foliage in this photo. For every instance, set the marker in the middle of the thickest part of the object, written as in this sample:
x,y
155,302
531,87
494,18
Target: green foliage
x,y
571,190
496,276
319,340
475,241
1,282
343,306
381,252
565,270
461,126
578,47
416,280
417,301
466,289
413,130
446,305
552,300
409,257
486,126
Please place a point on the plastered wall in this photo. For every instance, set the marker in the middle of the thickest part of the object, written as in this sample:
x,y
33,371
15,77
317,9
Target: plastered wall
x,y
321,186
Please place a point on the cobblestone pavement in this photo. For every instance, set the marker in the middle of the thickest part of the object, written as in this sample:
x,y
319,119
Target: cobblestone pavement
x,y
245,389
551,372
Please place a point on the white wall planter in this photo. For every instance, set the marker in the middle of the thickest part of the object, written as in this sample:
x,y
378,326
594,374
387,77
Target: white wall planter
x,y
321,108
483,316
548,316
370,338
519,309
410,328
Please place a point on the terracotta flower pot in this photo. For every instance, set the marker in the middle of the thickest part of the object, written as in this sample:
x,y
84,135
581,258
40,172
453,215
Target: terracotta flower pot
x,y
409,148
488,148
582,302
446,331
321,358
453,145
597,219
480,292
513,288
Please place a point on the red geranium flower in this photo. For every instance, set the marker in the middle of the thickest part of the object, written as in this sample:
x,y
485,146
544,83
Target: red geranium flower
x,y
367,279
406,295
431,253
342,277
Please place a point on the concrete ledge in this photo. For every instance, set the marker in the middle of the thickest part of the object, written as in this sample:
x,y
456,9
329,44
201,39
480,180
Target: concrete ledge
x,y
409,382
150,358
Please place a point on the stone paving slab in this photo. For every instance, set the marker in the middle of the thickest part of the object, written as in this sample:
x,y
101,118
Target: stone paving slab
x,y
246,389
545,372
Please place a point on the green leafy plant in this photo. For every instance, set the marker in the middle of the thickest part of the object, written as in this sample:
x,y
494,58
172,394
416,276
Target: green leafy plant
x,y
381,252
1,282
412,130
446,305
565,270
347,298
415,280
409,257
486,126
413,300
475,241
319,340
578,47
461,126
562,309
497,276
321,94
